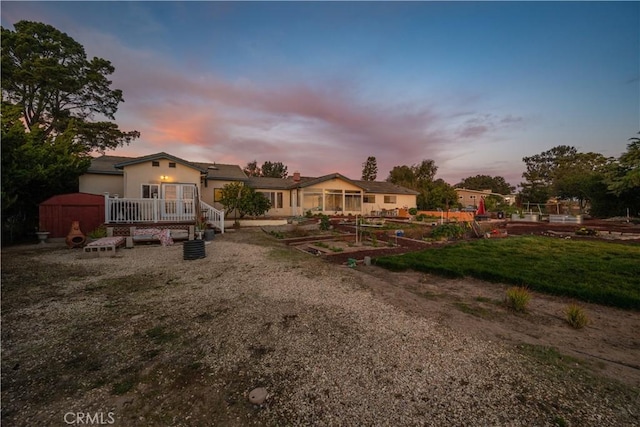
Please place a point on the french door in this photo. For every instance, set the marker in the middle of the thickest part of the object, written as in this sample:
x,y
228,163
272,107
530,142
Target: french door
x,y
179,201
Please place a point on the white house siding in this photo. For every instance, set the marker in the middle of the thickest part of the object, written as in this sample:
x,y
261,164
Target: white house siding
x,y
145,173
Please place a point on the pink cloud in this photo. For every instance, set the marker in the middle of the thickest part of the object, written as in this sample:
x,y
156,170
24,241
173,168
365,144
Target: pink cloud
x,y
315,128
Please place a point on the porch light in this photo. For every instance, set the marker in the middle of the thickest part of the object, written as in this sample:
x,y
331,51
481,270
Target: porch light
x,y
163,177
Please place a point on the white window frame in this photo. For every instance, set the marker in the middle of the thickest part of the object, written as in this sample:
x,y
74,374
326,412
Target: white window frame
x,y
275,197
151,188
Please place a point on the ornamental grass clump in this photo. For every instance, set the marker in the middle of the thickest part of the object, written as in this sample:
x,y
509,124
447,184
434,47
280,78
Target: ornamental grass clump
x,y
576,316
518,298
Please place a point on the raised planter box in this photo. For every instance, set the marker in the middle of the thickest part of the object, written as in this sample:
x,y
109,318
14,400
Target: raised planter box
x,y
525,217
565,219
255,222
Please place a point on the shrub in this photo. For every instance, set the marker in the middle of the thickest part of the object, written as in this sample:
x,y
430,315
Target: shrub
x,y
518,298
413,211
421,217
576,316
449,231
325,224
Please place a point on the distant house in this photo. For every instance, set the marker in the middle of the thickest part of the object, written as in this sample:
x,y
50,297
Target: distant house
x,y
176,182
468,197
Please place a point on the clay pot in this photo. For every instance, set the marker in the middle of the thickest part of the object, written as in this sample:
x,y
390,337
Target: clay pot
x,y
75,238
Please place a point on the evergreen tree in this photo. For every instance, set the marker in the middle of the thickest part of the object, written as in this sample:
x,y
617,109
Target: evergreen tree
x,y
370,169
274,170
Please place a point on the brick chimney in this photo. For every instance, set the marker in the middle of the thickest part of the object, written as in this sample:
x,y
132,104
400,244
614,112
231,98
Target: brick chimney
x,y
296,176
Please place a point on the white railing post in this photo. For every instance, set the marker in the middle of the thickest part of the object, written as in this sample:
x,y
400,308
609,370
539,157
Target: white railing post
x,y
155,208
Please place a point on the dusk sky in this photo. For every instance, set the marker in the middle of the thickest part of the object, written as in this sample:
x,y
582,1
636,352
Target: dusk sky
x,y
320,86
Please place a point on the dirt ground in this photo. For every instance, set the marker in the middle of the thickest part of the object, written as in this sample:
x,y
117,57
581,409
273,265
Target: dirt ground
x,y
154,340
610,344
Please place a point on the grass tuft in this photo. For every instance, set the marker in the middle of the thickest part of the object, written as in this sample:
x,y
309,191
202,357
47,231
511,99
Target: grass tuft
x,y
576,316
518,298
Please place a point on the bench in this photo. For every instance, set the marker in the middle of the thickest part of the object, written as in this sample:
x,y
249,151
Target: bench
x,y
152,233
164,236
105,246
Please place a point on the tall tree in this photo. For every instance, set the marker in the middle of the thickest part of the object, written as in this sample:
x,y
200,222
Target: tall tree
x,y
438,194
252,169
496,184
576,178
565,173
625,173
540,172
404,176
622,180
370,169
425,171
50,94
413,176
48,75
420,177
274,170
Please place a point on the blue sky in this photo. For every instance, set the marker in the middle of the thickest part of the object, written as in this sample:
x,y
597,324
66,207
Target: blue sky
x,y
320,86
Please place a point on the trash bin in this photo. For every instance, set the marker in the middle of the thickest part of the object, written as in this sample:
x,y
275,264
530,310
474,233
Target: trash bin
x,y
500,215
194,249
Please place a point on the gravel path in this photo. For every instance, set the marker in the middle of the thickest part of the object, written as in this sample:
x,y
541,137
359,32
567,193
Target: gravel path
x,y
258,314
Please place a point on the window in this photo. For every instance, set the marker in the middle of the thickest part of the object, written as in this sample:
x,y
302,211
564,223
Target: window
x,y
312,199
172,164
472,197
390,199
333,200
275,197
155,163
217,194
369,198
149,191
352,200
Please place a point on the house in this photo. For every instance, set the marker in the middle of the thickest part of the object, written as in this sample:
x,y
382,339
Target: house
x,y
163,187
468,197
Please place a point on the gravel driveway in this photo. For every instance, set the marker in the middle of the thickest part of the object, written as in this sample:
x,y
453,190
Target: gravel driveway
x,y
174,342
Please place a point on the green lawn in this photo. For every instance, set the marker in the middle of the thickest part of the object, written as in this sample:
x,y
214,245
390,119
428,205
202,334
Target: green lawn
x,y
600,272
